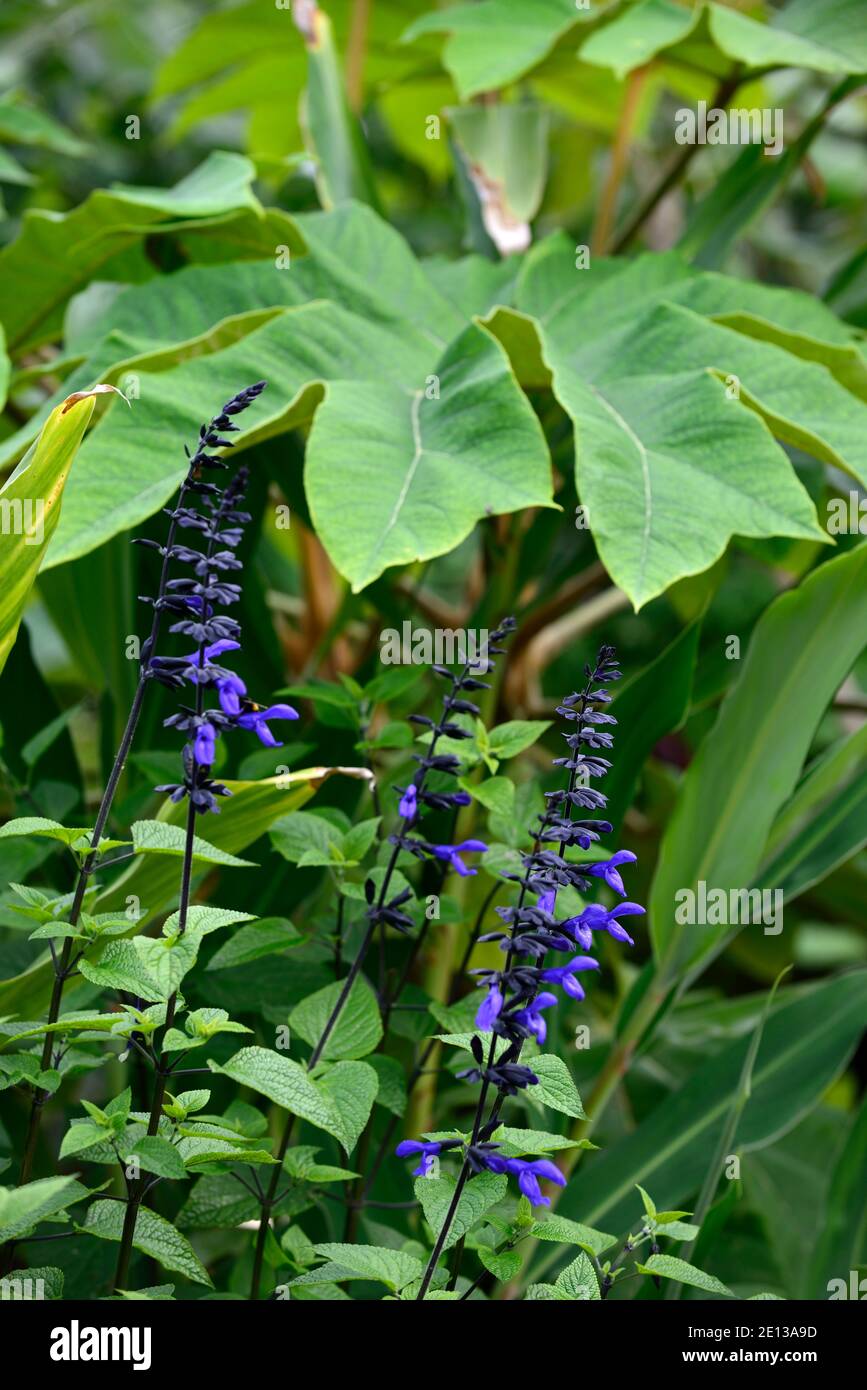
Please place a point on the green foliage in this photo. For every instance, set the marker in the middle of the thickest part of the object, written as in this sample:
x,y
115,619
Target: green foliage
x,y
531,347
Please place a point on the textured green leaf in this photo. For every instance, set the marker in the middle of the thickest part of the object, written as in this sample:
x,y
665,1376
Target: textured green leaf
x,y
281,1080
390,1267
338,1102
358,1028
392,1093
479,1195
504,1266
219,1201
153,1235
39,1281
350,1088
262,938
165,959
546,1293
57,254
516,1142
562,1230
579,1280
556,1087
122,967
24,1207
159,837
669,1267
202,920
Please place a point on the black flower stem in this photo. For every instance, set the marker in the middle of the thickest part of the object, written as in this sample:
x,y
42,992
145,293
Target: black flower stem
x,y
355,969
498,1104
423,1060
138,1189
62,966
456,1197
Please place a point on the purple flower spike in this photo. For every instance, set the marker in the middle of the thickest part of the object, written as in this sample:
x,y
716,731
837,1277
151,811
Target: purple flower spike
x,y
547,901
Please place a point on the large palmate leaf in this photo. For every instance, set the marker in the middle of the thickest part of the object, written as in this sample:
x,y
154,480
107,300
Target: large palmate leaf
x,y
676,390
800,652
403,385
30,509
805,1044
440,463
676,379
57,254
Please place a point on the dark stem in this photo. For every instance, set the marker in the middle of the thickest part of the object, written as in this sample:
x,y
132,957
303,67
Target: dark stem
x,y
498,1104
62,967
139,1188
453,1204
420,1066
355,970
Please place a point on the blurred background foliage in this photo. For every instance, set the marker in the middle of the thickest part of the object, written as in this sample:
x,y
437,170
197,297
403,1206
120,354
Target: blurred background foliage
x,y
547,117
